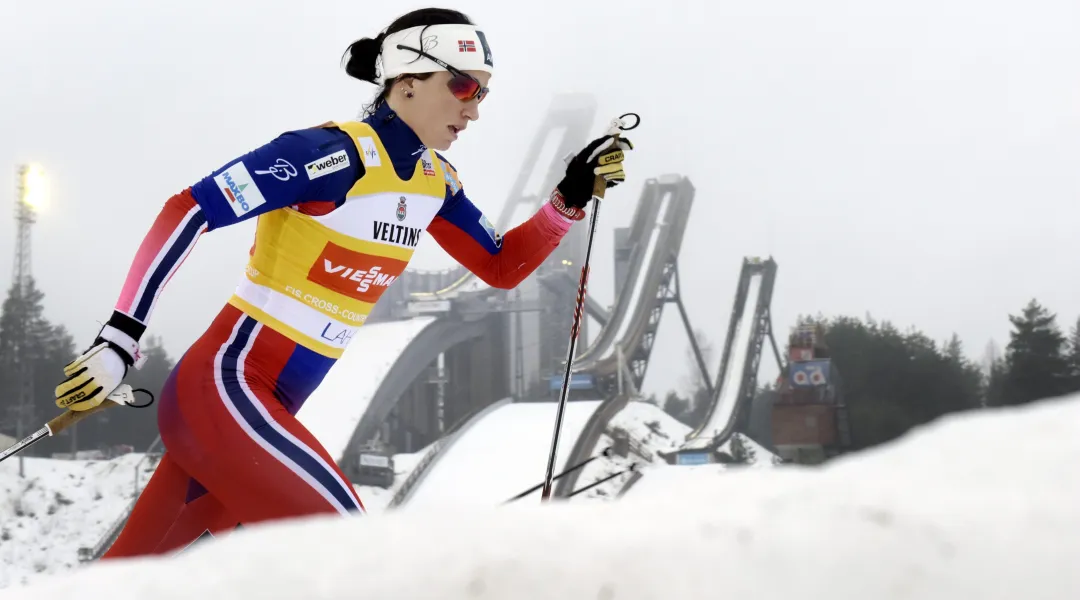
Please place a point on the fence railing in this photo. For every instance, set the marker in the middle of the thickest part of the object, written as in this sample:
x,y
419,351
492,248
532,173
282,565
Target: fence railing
x,y
417,473
150,458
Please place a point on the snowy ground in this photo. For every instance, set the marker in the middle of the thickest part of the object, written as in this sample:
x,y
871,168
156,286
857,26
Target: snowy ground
x,y
63,505
981,506
654,430
60,506
376,499
501,455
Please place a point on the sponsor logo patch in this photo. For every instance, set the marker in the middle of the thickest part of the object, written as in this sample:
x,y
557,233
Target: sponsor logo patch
x,y
489,60
282,170
355,274
490,229
369,152
396,234
327,164
451,179
236,183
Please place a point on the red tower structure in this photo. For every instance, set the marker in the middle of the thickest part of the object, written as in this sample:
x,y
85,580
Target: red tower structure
x,y
809,416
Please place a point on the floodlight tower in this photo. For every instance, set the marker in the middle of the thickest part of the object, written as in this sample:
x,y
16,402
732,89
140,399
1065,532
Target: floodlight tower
x,y
30,197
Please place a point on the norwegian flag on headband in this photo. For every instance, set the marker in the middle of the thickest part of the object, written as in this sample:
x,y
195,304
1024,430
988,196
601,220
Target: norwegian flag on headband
x,y
466,46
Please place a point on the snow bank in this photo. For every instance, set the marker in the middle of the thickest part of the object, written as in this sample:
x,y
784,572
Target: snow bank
x,y
501,455
60,506
655,431
978,507
377,499
648,425
63,505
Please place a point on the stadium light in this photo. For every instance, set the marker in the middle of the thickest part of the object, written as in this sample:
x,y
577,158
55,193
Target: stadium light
x,y
35,187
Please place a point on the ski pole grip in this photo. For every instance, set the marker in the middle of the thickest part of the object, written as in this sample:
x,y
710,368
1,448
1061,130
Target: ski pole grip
x,y
71,417
617,125
599,187
599,183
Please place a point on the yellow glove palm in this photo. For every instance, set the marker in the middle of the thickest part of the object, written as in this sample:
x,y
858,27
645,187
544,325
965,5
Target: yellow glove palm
x,y
91,378
609,165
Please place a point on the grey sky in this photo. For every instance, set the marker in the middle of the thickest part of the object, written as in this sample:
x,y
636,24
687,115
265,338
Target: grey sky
x,y
917,160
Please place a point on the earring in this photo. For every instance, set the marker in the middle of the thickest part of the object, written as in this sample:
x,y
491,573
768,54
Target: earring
x,y
408,94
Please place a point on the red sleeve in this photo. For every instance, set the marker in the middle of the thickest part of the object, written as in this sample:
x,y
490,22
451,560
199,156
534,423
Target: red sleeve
x,y
517,254
171,238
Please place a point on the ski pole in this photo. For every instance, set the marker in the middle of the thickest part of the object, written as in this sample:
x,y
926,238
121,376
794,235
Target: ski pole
x,y
599,187
121,395
606,453
631,468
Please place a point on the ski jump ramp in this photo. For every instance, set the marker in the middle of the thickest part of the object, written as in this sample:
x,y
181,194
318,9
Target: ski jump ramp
x,y
736,383
732,393
721,417
503,450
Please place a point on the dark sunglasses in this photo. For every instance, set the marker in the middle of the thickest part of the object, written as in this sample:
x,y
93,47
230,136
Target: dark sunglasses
x,y
463,86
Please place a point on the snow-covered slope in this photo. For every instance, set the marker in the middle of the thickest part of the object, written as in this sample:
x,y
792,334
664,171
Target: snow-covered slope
x,y
376,499
60,506
941,514
655,431
649,426
63,505
501,455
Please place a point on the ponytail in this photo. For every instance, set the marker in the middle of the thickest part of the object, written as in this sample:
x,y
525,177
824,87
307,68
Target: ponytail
x,y
363,55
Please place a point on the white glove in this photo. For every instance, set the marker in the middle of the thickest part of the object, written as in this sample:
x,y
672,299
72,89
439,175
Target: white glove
x,y
91,378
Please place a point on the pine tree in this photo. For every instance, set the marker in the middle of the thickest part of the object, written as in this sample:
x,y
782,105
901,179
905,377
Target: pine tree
x,y
894,380
1074,357
741,452
1037,364
991,367
954,349
967,380
45,350
130,426
995,394
678,408
28,342
697,388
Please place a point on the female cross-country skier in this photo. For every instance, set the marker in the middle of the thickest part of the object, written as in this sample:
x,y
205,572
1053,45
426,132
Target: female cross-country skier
x,y
341,208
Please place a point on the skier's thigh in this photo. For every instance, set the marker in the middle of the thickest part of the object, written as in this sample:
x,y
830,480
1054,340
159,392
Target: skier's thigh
x,y
259,461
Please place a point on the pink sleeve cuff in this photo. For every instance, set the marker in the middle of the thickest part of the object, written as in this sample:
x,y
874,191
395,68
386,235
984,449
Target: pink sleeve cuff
x,y
554,223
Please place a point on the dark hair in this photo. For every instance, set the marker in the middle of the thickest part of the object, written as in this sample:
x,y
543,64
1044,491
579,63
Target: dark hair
x,y
364,52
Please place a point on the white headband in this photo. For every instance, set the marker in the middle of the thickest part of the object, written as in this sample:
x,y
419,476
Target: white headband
x,y
461,46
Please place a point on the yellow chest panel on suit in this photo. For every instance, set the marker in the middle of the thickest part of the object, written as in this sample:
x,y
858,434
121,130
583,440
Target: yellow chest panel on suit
x,y
314,278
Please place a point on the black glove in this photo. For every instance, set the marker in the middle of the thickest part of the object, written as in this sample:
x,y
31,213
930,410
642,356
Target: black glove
x,y
603,157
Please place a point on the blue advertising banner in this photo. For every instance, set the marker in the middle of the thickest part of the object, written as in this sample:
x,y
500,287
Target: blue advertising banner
x,y
812,373
695,458
578,381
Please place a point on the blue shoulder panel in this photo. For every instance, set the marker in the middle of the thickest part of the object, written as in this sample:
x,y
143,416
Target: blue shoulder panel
x,y
298,166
